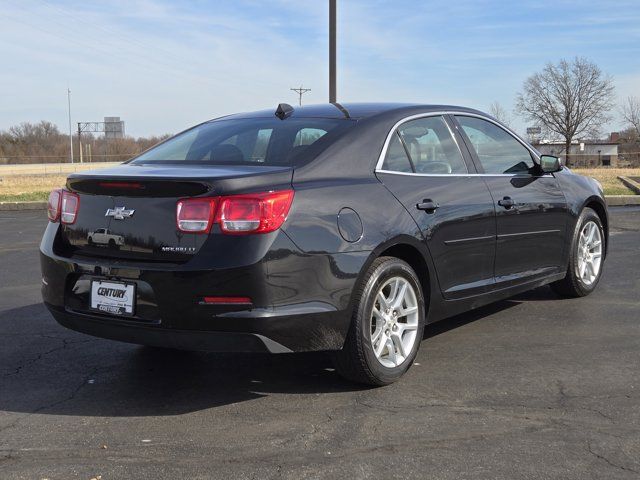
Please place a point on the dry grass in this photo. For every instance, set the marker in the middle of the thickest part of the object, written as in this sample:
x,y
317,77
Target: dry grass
x,y
608,177
37,187
29,187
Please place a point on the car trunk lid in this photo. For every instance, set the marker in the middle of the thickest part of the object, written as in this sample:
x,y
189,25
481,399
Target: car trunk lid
x,y
129,211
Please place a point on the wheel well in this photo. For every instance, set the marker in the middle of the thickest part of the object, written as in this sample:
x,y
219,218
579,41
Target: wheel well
x,y
414,258
602,213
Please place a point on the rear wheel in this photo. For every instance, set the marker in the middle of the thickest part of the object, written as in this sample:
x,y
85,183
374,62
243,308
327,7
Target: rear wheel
x,y
386,327
586,257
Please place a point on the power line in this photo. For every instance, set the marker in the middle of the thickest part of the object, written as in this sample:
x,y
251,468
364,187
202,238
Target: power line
x,y
300,91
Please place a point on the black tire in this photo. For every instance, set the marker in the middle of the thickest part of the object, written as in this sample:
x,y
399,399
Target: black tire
x,y
572,285
90,241
112,243
357,360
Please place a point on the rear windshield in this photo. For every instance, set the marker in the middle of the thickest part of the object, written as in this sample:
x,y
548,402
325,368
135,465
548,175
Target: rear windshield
x,y
265,141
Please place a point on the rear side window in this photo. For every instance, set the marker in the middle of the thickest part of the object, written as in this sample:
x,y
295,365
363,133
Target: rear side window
x,y
424,146
497,150
251,141
396,159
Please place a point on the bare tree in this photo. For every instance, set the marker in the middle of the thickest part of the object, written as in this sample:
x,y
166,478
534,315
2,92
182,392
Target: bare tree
x,y
43,142
568,99
499,113
631,112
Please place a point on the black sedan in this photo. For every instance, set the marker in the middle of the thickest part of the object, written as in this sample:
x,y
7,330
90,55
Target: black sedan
x,y
343,228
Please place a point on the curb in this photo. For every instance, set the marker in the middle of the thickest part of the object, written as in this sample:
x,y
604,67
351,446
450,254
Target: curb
x,y
12,206
622,200
630,184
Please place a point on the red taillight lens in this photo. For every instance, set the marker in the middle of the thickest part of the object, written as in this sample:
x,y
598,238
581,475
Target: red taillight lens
x,y
195,215
53,205
236,214
69,207
255,212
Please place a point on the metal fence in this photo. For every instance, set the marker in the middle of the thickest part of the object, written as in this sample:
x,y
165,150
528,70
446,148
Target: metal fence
x,y
51,168
627,159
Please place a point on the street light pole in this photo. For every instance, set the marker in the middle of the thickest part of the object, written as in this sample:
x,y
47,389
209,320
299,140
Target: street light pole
x,y
70,131
332,51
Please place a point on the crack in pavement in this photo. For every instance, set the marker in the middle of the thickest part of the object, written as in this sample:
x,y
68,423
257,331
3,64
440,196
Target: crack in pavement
x,y
609,462
31,361
68,398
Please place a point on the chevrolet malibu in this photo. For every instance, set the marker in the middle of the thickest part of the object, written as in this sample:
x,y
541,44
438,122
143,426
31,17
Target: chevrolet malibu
x,y
341,228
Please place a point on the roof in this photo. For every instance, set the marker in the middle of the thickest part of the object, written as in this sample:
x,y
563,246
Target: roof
x,y
351,110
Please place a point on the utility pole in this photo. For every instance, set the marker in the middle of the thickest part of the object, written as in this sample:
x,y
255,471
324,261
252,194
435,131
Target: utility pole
x,y
70,130
300,91
80,141
332,51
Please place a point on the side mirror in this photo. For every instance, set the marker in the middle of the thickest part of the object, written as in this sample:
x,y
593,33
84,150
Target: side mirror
x,y
549,163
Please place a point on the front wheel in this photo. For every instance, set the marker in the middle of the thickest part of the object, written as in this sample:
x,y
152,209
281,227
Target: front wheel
x,y
387,324
586,257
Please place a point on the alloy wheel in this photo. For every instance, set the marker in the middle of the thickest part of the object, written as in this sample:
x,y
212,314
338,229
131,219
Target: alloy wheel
x,y
394,322
589,253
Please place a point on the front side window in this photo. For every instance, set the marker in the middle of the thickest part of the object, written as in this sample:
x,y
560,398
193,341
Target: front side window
x,y
497,150
249,141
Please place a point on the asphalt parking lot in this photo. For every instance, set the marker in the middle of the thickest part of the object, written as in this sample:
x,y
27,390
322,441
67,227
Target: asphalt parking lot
x,y
532,387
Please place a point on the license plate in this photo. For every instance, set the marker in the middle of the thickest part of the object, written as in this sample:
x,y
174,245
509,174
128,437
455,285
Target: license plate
x,y
114,298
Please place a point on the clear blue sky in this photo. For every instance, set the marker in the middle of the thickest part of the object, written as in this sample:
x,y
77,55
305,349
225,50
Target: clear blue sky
x,y
165,65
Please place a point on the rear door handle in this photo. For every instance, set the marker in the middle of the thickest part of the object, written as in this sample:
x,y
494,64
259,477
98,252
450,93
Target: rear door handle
x,y
427,205
506,202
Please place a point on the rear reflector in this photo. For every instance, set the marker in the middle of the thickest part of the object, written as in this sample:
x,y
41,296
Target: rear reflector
x,y
69,207
227,300
53,205
195,215
255,212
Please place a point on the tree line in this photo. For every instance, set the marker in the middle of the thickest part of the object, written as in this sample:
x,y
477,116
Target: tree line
x,y
43,142
568,100
572,100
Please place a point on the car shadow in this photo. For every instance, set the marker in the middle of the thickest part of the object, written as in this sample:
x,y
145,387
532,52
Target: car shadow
x,y
48,369
539,294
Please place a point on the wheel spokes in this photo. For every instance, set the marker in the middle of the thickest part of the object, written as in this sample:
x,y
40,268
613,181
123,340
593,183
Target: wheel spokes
x,y
398,344
399,299
394,322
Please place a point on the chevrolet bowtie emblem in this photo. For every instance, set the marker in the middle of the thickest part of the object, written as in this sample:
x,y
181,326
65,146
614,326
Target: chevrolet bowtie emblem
x,y
119,213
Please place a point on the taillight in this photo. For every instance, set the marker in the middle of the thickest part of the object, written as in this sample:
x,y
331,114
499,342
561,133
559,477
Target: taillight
x,y
195,215
69,207
53,205
236,214
254,212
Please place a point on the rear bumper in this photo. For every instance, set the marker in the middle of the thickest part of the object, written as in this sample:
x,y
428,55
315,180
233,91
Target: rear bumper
x,y
168,338
300,302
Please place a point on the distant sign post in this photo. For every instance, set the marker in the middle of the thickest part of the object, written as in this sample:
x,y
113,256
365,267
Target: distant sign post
x,y
112,127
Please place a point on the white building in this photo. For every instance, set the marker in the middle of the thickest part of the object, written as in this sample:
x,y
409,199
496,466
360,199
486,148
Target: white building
x,y
587,153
